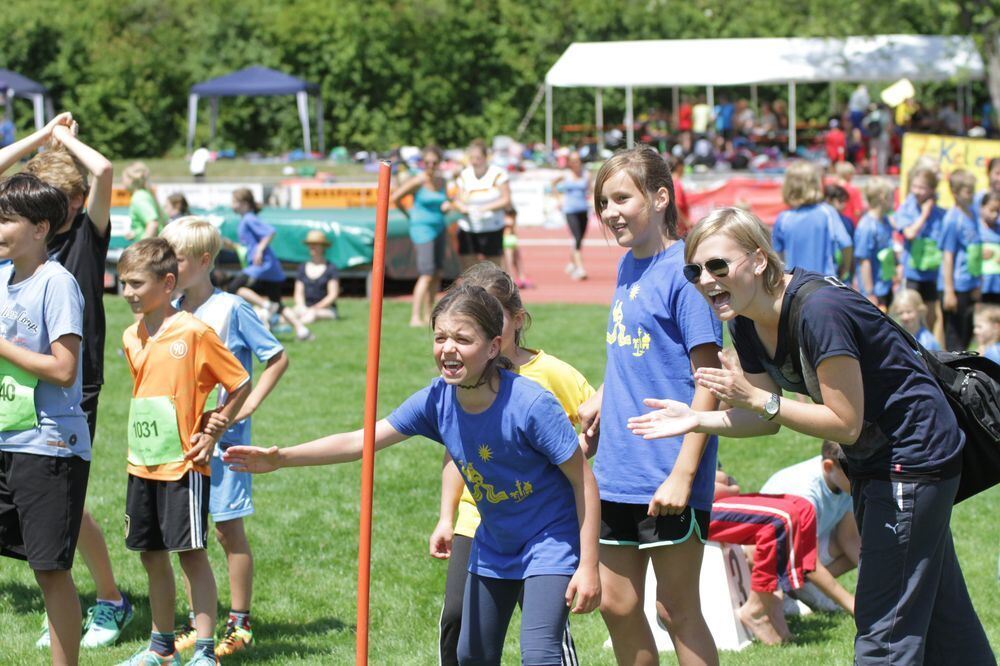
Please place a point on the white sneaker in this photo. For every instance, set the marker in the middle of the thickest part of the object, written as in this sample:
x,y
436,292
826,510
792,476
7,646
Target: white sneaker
x,y
44,641
570,267
810,595
793,607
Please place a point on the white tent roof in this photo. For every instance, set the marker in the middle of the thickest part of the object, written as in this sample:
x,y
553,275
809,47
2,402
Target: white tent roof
x,y
721,62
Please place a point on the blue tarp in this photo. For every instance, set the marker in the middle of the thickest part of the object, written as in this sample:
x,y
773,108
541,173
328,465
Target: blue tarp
x,y
252,81
20,84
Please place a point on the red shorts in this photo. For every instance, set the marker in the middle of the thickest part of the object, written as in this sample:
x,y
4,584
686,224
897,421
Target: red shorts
x,y
782,528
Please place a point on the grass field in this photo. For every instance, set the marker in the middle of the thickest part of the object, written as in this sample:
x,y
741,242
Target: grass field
x,y
305,533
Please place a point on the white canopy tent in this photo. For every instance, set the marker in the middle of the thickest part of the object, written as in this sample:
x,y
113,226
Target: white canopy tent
x,y
742,62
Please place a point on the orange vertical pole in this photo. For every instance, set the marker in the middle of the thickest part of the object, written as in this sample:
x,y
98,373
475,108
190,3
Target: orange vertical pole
x,y
371,407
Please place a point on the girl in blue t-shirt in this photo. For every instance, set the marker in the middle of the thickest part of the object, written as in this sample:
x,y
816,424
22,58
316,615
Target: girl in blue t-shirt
x,y
574,185
655,500
961,265
921,221
909,310
989,234
522,462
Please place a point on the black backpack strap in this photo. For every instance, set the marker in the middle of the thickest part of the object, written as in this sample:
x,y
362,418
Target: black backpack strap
x,y
795,318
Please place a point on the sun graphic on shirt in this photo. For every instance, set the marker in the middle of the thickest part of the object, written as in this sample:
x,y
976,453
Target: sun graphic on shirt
x,y
633,293
485,453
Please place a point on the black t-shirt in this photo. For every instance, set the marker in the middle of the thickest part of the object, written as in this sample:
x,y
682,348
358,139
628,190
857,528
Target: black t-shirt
x,y
315,290
909,427
83,252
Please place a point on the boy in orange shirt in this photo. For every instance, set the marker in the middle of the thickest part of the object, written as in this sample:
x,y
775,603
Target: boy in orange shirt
x,y
176,361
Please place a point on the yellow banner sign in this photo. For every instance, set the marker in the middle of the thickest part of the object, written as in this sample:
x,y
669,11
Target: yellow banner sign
x,y
951,153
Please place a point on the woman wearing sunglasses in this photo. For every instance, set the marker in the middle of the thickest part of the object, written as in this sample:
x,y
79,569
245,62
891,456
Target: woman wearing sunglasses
x,y
427,230
655,500
874,396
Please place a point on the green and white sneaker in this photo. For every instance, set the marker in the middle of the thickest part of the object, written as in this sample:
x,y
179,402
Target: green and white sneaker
x,y
146,657
44,642
105,623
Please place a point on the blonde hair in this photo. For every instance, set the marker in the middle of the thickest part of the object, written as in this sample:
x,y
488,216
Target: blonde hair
x,y
988,312
747,231
60,169
648,171
803,185
844,170
922,171
909,298
878,192
193,236
960,178
135,177
150,255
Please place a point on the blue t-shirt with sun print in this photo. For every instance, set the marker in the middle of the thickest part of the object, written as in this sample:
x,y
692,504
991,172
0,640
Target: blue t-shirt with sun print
x,y
656,319
509,456
922,255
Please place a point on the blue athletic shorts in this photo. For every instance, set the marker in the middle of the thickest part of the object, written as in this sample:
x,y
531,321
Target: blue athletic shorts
x,y
232,493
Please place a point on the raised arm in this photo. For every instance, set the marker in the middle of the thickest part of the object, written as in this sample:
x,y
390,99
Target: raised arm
x,y
409,187
330,450
10,155
911,231
99,200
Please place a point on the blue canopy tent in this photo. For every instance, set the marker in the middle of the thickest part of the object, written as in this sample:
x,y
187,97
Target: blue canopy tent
x,y
256,82
14,85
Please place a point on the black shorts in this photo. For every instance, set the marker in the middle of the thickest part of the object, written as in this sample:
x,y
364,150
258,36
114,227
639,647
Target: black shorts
x,y
885,301
927,289
167,515
41,506
628,525
430,255
486,243
269,289
88,404
578,227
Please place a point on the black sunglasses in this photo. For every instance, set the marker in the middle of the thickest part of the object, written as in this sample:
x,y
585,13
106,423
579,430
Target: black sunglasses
x,y
717,266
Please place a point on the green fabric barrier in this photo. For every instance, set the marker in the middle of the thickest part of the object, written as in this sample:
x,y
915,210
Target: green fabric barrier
x,y
351,231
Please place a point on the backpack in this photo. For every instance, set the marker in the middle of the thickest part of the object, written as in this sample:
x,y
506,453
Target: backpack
x,y
970,382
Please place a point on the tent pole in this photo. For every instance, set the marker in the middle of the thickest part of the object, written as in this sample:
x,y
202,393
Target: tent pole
x,y
319,125
710,98
753,98
50,112
960,93
548,118
677,106
213,118
833,99
39,104
192,121
629,119
302,99
792,122
9,103
599,109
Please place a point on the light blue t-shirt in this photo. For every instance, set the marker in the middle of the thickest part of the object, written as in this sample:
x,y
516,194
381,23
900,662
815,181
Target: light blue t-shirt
x,y
810,236
921,255
243,333
805,479
990,238
33,314
427,222
873,242
509,457
993,352
574,191
960,232
656,319
927,339
251,232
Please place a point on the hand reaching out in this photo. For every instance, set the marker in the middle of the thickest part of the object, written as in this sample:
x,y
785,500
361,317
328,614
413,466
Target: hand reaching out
x,y
253,459
670,418
728,383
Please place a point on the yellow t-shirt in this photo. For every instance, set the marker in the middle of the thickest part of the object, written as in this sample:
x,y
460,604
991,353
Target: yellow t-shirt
x,y
183,362
568,386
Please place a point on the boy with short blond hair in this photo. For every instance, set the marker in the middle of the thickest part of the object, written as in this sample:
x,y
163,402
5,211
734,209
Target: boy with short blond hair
x,y
197,243
44,441
176,362
961,265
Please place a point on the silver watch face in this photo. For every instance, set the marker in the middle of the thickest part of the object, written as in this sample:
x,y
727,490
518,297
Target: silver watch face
x,y
771,406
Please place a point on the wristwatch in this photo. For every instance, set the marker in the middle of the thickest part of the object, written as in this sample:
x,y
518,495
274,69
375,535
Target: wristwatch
x,y
772,406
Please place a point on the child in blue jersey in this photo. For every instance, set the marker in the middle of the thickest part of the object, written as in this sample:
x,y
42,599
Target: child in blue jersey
x,y
810,234
987,331
197,243
655,500
875,258
520,459
921,221
44,437
989,236
909,310
961,264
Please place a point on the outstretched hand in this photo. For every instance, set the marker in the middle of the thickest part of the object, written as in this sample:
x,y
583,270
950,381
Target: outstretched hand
x,y
670,418
253,459
728,383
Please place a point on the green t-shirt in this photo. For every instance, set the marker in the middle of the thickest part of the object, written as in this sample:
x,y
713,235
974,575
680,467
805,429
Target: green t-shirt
x,y
142,209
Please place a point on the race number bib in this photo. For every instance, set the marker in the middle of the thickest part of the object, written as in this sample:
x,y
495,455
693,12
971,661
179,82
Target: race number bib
x,y
153,438
991,258
925,255
17,398
887,264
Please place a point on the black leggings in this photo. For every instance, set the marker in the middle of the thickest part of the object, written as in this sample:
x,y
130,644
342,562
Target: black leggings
x,y
958,324
451,613
577,226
